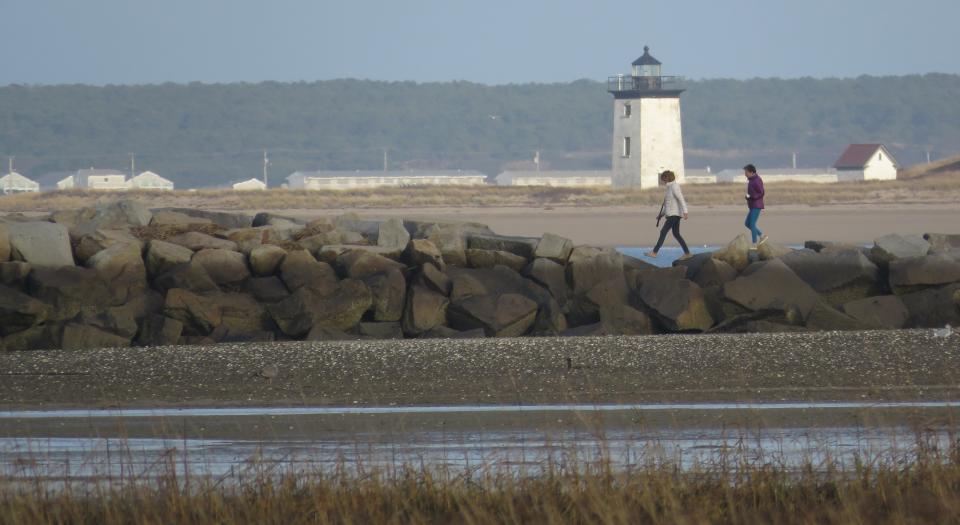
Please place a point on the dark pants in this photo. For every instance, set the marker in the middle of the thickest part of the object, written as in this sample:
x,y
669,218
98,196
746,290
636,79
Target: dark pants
x,y
673,223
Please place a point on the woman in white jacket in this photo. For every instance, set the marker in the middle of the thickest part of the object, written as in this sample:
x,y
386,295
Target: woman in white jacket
x,y
673,208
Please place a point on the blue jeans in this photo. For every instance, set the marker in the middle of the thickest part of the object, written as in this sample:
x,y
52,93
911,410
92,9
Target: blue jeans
x,y
751,224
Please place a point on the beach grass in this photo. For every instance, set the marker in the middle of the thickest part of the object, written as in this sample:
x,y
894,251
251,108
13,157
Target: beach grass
x,y
921,485
938,187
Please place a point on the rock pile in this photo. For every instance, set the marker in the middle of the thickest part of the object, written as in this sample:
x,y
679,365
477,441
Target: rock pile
x,y
120,274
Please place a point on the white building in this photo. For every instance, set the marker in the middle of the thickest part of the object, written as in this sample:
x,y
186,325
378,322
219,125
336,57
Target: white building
x,y
149,180
250,185
348,180
95,179
866,162
775,175
570,179
13,182
647,137
699,176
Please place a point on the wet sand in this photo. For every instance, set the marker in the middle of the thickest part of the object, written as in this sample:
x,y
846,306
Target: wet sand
x,y
878,365
635,226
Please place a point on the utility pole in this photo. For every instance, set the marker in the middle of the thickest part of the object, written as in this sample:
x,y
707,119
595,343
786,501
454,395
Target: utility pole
x,y
133,165
384,160
536,159
928,157
266,162
10,163
794,160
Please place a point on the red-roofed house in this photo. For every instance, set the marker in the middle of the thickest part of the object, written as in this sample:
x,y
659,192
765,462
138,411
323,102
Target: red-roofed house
x,y
866,162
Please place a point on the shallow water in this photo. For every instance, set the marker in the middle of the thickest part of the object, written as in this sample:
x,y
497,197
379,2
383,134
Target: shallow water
x,y
525,450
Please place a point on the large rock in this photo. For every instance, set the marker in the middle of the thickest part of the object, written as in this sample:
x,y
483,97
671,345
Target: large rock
x,y
772,285
490,258
351,222
912,273
159,330
362,263
197,241
161,256
266,259
679,304
175,218
116,216
502,280
505,315
40,243
19,311
225,220
736,253
93,243
586,308
330,254
771,250
14,273
714,272
451,242
341,308
314,243
389,291
122,266
69,290
425,310
272,219
199,314
434,279
247,239
225,267
942,242
551,276
78,336
892,247
840,276
884,312
553,247
267,289
671,273
45,336
933,307
588,266
393,233
189,276
300,269
116,320
824,317
623,319
381,330
422,251
4,243
522,246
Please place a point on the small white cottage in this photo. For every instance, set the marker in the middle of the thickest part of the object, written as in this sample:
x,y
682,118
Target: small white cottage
x,y
250,185
149,180
13,182
866,162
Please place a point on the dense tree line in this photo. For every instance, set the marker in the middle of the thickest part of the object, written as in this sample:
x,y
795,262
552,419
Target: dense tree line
x,y
209,134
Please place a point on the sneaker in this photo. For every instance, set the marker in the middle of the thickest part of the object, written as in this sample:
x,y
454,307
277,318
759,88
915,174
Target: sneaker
x,y
685,256
652,255
763,239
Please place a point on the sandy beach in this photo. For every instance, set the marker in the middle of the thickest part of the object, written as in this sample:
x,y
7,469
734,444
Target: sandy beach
x,y
634,226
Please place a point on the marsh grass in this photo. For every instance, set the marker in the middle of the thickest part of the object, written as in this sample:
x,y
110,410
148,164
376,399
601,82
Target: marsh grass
x,y
919,486
938,187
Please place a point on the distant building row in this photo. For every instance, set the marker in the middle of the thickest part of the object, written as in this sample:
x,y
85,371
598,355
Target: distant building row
x,y
858,162
97,179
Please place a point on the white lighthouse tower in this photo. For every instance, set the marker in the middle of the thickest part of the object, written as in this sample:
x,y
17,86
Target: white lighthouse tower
x,y
646,124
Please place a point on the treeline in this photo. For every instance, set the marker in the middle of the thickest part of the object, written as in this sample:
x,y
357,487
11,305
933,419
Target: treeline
x,y
209,134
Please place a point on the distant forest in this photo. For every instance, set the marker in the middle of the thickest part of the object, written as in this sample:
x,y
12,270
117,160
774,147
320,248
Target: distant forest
x,y
204,135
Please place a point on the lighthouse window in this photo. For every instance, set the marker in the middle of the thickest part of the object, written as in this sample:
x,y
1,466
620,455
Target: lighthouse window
x,y
627,110
626,146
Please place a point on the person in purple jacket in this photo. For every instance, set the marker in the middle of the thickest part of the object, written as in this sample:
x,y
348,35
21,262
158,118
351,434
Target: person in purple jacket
x,y
754,203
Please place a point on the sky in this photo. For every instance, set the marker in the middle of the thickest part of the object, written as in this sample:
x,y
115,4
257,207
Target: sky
x,y
487,41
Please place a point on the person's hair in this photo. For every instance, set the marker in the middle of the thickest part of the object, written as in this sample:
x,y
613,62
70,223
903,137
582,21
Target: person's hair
x,y
668,176
750,168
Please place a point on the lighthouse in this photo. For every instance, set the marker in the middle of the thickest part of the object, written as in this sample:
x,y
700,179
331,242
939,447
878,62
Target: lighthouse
x,y
647,137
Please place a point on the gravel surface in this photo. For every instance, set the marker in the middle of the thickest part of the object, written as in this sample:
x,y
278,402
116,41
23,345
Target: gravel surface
x,y
890,365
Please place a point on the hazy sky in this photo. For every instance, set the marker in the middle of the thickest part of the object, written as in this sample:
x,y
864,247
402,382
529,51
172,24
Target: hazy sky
x,y
489,41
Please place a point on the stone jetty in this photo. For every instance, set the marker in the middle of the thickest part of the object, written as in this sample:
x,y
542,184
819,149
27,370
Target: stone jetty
x,y
121,274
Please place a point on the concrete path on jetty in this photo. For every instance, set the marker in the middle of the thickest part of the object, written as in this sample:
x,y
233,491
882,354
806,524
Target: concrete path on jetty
x,y
827,366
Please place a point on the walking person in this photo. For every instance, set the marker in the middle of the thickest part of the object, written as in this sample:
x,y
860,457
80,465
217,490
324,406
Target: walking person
x,y
754,203
674,206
